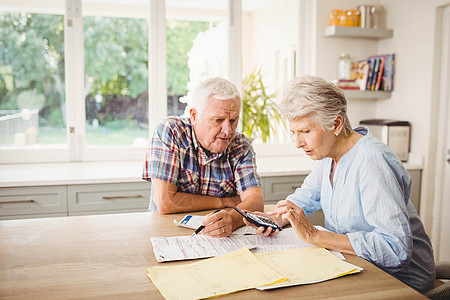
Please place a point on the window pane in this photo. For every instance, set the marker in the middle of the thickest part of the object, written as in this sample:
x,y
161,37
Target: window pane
x,y
116,67
196,48
32,93
269,48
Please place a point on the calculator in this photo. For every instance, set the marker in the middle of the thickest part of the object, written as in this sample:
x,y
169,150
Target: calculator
x,y
258,220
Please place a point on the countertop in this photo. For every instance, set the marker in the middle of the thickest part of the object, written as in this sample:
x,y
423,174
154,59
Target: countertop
x,y
17,175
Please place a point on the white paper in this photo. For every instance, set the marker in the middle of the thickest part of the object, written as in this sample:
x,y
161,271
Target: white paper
x,y
183,247
285,239
199,246
190,221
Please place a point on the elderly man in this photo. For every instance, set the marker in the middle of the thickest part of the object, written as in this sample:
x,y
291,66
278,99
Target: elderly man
x,y
201,163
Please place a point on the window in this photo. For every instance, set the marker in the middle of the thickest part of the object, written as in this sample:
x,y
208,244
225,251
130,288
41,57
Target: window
x,y
32,81
269,61
116,81
81,80
196,48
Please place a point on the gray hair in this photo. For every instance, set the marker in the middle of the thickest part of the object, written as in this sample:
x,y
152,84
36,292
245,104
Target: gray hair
x,y
311,95
220,88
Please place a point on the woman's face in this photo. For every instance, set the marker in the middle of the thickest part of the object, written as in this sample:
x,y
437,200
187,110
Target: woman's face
x,y
312,138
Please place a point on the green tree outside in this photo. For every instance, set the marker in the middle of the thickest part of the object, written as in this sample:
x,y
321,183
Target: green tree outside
x,y
116,59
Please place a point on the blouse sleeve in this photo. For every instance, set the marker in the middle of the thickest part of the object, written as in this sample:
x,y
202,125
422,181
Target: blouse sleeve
x,y
384,192
308,195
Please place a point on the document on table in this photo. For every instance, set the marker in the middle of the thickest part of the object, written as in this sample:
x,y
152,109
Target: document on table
x,y
225,274
305,266
286,239
199,246
193,222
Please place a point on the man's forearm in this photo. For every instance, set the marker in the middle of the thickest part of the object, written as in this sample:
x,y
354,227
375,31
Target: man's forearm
x,y
185,202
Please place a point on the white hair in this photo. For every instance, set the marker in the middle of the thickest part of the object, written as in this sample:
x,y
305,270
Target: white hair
x,y
316,97
218,87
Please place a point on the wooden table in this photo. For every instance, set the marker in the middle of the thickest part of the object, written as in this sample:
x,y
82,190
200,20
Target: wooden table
x,y
106,256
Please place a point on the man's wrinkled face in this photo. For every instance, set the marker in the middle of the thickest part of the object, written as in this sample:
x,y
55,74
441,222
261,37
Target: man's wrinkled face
x,y
216,126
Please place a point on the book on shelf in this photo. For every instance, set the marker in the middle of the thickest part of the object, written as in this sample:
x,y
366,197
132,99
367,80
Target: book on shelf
x,y
371,61
348,84
376,73
389,71
375,70
380,72
361,73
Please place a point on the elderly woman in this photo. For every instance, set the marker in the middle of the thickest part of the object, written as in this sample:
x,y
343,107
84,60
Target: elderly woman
x,y
358,182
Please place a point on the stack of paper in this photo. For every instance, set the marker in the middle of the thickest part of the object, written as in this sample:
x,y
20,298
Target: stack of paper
x,y
220,275
241,270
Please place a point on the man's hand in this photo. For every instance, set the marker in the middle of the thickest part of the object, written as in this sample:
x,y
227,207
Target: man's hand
x,y
219,224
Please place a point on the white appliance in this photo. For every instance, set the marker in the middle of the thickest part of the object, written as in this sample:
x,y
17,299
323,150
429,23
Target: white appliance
x,y
395,134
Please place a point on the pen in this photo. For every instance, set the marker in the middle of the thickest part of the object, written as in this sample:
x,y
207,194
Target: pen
x,y
200,228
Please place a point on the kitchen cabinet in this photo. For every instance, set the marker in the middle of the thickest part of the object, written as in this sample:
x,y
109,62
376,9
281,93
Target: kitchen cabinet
x,y
276,188
88,199
33,202
108,198
69,200
416,176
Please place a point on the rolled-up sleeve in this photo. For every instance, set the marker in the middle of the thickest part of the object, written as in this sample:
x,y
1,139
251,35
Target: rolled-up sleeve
x,y
246,175
162,157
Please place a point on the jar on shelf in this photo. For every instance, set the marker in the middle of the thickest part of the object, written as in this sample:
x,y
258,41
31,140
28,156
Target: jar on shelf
x,y
351,17
365,16
344,67
333,18
378,16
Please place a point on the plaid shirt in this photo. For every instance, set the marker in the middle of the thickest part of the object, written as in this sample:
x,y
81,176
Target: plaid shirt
x,y
176,156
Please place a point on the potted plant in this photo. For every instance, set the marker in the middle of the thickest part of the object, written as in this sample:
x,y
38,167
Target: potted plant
x,y
260,114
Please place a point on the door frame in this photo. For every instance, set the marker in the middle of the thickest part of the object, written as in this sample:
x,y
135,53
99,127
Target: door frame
x,y
441,203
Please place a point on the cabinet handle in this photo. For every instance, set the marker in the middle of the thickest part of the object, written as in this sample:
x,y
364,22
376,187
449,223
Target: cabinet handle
x,y
17,201
121,197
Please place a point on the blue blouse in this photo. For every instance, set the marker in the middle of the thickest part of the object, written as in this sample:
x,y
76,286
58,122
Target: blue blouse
x,y
369,202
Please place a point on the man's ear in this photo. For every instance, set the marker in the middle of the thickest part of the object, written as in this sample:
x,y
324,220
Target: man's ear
x,y
193,115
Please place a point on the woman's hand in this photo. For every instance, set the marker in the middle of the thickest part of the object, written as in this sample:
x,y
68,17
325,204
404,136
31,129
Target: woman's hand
x,y
295,215
261,229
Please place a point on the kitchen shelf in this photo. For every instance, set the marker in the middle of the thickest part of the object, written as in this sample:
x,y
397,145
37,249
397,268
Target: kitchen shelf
x,y
357,94
357,32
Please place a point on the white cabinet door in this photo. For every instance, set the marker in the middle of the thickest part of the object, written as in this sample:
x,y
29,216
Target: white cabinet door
x,y
416,176
108,198
276,188
47,201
